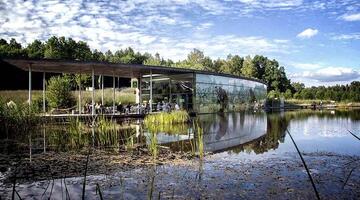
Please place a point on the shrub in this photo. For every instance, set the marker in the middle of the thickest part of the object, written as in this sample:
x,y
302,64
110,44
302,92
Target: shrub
x,y
59,92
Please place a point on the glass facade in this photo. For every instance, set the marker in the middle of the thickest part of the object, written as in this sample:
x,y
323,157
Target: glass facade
x,y
168,89
202,93
221,93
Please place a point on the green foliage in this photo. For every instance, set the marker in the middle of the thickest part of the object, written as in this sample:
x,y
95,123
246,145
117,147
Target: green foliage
x,y
62,48
288,94
35,49
345,93
11,49
249,69
173,117
273,94
59,92
16,117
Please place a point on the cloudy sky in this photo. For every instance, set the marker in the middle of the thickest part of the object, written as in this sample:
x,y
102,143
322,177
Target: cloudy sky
x,y
318,42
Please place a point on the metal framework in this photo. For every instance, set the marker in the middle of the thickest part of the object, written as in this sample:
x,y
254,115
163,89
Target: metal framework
x,y
101,69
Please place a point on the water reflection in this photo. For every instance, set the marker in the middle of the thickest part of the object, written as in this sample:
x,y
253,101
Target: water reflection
x,y
235,132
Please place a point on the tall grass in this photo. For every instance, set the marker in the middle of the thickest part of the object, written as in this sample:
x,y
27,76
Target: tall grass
x,y
173,117
199,138
197,143
17,117
153,145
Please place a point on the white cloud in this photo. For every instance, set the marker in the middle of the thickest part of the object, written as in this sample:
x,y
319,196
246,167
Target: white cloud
x,y
351,17
307,33
307,66
330,74
145,25
272,3
353,36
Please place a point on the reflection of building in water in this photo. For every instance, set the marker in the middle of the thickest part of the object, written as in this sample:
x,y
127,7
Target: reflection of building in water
x,y
237,132
232,129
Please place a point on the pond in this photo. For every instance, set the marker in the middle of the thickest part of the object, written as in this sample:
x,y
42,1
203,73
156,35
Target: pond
x,y
230,155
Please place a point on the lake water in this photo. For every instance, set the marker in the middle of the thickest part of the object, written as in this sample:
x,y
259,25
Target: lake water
x,y
247,154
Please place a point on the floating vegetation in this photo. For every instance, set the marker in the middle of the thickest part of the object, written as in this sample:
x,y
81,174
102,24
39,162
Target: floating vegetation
x,y
174,117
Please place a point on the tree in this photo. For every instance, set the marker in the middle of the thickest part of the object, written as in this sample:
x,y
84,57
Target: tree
x,y
98,56
218,65
288,94
195,59
233,65
260,62
11,49
297,87
59,92
207,63
35,49
154,60
249,69
54,48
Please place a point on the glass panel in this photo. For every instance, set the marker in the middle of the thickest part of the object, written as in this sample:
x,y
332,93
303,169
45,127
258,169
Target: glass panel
x,y
220,93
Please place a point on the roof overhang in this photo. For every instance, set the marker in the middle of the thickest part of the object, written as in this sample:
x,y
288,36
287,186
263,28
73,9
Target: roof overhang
x,y
103,68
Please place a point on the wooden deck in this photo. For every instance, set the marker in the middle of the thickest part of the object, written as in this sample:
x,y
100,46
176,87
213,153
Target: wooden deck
x,y
88,116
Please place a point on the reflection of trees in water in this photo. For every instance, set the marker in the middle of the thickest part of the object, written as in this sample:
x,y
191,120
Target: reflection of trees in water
x,y
330,114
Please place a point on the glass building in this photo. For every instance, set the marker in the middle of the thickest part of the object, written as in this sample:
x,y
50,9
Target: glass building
x,y
193,90
201,92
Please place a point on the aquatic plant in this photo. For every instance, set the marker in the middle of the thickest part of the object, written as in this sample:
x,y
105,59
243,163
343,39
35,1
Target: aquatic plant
x,y
197,143
17,117
173,117
153,145
199,139
180,128
105,125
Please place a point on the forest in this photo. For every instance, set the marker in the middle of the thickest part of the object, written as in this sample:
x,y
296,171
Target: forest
x,y
260,67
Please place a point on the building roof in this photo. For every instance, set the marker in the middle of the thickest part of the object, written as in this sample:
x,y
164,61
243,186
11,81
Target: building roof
x,y
104,68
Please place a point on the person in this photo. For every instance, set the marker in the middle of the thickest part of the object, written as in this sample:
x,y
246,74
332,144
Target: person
x,y
164,107
177,107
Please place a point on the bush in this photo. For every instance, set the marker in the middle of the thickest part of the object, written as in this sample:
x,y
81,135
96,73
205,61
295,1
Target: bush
x,y
59,92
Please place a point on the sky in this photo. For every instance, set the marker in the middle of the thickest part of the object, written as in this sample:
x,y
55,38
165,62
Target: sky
x,y
317,41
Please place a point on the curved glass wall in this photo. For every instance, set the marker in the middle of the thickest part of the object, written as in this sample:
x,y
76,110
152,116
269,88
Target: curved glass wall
x,y
220,93
175,88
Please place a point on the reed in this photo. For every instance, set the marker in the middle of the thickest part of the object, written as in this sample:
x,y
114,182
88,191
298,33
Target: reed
x,y
199,139
17,117
174,117
153,145
105,125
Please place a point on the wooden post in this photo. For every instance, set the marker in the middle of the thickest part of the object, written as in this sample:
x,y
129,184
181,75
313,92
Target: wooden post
x,y
44,98
113,94
93,92
29,97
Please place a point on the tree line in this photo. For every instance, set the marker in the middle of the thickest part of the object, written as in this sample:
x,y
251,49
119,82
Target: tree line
x,y
260,67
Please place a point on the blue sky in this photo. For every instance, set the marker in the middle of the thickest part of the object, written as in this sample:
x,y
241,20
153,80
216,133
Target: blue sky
x,y
318,42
